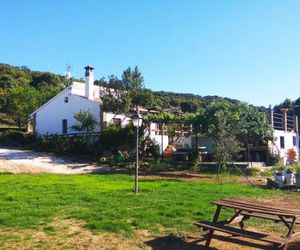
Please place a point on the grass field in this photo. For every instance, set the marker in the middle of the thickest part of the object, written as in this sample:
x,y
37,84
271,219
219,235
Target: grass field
x,y
107,203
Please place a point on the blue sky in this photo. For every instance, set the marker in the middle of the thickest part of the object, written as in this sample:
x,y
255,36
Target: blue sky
x,y
243,49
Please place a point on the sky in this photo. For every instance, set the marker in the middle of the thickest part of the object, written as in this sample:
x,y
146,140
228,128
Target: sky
x,y
243,49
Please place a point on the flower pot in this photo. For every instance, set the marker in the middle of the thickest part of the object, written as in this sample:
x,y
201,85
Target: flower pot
x,y
298,180
289,178
280,180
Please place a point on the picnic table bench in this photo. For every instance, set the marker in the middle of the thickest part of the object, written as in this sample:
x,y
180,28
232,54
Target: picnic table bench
x,y
245,209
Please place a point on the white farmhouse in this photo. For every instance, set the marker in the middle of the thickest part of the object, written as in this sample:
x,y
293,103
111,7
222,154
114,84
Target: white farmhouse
x,y
56,115
286,134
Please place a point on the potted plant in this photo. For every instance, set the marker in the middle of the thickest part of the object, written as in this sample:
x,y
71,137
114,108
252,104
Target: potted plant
x,y
289,176
297,175
279,175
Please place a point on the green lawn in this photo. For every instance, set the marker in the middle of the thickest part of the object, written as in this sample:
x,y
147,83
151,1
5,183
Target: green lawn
x,y
107,203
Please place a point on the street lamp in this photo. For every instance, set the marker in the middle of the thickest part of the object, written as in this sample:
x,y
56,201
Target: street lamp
x,y
137,122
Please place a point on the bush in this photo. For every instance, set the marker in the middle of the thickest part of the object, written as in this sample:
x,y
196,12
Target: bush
x,y
297,168
279,167
157,165
16,138
196,162
266,173
114,137
274,159
252,171
150,149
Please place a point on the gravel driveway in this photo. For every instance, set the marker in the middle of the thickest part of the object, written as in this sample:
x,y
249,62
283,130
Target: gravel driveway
x,y
27,161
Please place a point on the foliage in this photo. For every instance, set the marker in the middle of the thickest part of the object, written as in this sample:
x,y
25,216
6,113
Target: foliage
x,y
186,102
85,121
279,167
196,165
274,159
254,124
292,106
226,144
15,138
23,90
252,171
114,137
225,122
126,94
158,165
165,117
297,168
79,145
150,149
24,100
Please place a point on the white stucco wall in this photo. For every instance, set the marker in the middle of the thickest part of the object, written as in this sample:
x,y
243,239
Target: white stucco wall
x,y
288,143
108,117
49,117
162,142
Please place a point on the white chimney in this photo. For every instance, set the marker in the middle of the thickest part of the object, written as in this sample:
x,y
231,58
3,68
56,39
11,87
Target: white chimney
x,y
89,82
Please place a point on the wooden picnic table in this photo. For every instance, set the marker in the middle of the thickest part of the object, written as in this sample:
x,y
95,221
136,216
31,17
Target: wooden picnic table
x,y
245,209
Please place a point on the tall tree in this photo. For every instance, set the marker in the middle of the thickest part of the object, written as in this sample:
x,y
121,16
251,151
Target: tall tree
x,y
126,94
24,99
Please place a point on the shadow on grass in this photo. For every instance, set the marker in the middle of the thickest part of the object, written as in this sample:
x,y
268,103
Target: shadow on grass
x,y
174,242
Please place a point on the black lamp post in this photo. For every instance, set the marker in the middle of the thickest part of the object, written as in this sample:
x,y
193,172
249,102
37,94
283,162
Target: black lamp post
x,y
137,122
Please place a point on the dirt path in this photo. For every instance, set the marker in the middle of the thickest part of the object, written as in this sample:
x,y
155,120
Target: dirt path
x,y
26,161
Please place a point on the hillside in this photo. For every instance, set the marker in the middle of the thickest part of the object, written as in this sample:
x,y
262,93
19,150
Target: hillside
x,y
23,90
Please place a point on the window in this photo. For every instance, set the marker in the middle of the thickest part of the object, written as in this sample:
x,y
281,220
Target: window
x,y
65,126
281,141
116,121
294,140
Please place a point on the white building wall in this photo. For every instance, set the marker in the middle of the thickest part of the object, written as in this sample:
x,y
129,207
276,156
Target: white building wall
x,y
162,141
49,117
288,143
110,116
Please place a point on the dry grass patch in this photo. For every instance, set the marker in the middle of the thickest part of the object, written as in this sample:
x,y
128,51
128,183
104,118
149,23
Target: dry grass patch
x,y
69,234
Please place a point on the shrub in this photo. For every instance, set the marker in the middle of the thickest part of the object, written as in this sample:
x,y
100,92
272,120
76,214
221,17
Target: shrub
x,y
266,173
16,138
150,149
157,165
114,137
196,166
297,168
274,159
279,167
252,171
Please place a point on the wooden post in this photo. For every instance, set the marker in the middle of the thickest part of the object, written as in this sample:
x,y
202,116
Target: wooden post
x,y
284,119
296,125
271,116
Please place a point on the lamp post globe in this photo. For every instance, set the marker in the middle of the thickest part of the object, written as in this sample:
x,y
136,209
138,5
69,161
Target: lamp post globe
x,y
137,122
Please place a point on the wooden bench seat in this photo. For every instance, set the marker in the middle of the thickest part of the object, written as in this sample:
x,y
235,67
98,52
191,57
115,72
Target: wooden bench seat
x,y
266,216
240,232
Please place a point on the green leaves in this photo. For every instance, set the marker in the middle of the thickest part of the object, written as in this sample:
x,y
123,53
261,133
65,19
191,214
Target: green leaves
x,y
22,90
85,121
122,96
